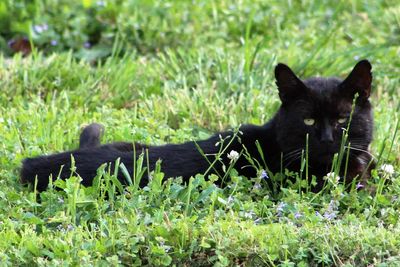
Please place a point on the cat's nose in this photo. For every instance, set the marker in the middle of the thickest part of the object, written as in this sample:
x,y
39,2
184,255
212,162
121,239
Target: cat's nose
x,y
327,136
326,132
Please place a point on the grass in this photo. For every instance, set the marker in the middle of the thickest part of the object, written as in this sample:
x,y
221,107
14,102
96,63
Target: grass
x,y
194,69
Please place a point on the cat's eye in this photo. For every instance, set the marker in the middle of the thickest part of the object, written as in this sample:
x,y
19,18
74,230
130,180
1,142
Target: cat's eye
x,y
342,120
309,122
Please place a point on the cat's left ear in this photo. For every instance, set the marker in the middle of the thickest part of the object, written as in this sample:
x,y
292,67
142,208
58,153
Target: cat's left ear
x,y
359,80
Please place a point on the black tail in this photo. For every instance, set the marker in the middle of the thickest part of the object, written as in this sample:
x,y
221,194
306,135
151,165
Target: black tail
x,y
91,135
88,158
87,161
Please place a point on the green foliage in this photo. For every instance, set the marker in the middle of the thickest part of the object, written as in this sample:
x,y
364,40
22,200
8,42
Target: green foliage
x,y
172,71
152,26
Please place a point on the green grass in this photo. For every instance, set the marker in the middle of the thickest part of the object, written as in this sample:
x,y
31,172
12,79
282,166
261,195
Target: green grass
x,y
194,69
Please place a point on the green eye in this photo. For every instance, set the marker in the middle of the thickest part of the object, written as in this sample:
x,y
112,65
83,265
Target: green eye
x,y
309,122
342,120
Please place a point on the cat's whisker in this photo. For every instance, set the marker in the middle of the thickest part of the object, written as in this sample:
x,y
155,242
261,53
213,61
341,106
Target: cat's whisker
x,y
356,138
355,146
357,141
292,154
293,157
293,160
361,150
285,158
358,146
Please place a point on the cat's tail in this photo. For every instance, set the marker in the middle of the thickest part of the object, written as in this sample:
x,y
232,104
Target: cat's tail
x,y
85,164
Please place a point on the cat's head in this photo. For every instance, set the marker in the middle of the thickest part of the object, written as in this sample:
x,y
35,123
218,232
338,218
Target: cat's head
x,y
321,108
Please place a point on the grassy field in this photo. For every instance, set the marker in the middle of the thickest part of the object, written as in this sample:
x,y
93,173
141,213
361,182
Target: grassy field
x,y
161,72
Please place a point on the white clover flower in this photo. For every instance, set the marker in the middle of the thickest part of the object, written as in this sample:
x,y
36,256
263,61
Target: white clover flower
x,y
249,214
388,169
333,177
60,200
233,155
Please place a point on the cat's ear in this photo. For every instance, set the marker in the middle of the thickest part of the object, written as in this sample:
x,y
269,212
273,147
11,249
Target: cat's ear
x,y
359,81
289,85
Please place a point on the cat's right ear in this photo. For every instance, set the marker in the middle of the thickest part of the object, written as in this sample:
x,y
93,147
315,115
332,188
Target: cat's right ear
x,y
289,85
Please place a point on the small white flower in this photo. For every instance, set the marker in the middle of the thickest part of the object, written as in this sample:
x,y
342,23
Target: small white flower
x,y
61,228
387,168
233,155
333,177
60,200
249,215
280,206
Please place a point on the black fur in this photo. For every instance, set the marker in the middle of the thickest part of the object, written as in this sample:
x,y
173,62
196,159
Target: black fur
x,y
91,135
282,139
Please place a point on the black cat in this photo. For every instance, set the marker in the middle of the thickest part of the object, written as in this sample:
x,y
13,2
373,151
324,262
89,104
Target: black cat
x,y
312,117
